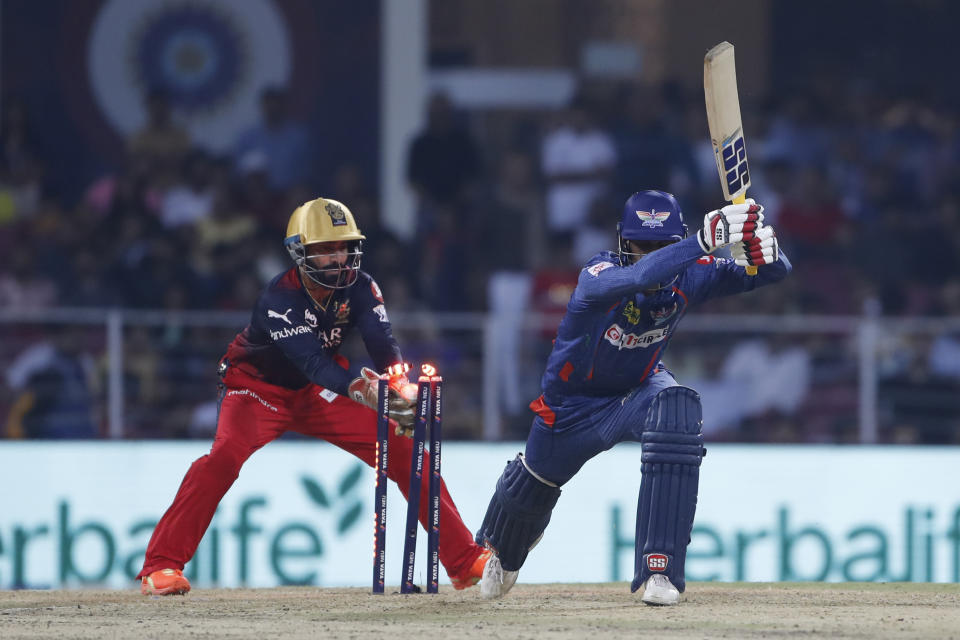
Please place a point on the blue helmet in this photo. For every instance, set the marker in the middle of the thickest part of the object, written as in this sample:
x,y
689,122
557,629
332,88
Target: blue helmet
x,y
649,216
652,216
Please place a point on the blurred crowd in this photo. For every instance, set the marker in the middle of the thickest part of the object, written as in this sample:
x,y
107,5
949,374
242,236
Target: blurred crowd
x,y
863,189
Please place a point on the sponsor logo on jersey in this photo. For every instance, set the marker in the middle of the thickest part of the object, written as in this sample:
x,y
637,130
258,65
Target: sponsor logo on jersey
x,y
663,314
706,260
632,313
616,336
343,313
310,318
657,562
652,218
286,332
376,291
283,316
381,312
336,213
331,339
597,268
247,392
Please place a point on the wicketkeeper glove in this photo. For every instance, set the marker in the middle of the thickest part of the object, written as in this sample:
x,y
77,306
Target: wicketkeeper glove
x,y
732,223
760,250
364,391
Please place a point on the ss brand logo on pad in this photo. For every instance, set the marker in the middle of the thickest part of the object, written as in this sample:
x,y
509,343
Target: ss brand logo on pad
x,y
657,562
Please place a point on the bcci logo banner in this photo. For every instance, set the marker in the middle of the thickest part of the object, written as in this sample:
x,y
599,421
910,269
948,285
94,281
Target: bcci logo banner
x,y
733,155
211,59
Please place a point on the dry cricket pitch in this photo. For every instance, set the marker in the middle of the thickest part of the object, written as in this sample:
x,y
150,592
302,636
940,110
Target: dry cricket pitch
x,y
709,610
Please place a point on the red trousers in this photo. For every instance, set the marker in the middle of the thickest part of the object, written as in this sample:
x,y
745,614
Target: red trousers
x,y
252,413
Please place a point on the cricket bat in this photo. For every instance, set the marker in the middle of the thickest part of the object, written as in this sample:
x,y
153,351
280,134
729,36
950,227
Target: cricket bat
x,y
726,128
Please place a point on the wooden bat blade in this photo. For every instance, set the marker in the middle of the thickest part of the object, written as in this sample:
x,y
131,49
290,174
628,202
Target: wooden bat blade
x,y
723,119
725,124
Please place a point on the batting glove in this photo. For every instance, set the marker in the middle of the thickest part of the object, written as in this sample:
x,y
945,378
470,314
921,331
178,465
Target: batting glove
x,y
760,250
732,223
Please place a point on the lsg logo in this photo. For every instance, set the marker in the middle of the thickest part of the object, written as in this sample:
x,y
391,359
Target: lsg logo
x,y
657,562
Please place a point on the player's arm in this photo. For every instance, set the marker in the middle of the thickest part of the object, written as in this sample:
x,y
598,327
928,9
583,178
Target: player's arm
x,y
724,277
603,282
733,223
285,321
377,335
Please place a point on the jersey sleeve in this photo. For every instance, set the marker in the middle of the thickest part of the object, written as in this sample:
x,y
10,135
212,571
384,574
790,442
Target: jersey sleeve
x,y
284,317
602,281
374,326
717,277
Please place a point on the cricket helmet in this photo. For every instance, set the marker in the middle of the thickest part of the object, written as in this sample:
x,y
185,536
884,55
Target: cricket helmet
x,y
324,220
649,217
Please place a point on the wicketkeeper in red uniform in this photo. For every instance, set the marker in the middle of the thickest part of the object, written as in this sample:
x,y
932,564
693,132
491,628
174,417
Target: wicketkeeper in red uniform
x,y
282,373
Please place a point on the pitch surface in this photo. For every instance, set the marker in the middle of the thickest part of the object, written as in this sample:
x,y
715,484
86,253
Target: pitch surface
x,y
709,610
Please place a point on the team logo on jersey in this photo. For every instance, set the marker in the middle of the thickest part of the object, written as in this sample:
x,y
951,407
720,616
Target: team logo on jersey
x,y
663,314
283,316
376,291
343,313
616,336
381,312
597,268
652,218
632,313
310,318
337,216
706,260
657,562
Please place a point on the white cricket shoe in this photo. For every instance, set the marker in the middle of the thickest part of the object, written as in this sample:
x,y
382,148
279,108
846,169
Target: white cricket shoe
x,y
496,582
658,590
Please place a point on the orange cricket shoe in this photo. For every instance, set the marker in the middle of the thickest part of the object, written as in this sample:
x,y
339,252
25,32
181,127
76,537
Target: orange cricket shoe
x,y
473,574
164,582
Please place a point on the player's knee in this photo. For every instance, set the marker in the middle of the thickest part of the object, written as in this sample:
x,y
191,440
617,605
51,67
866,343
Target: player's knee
x,y
518,513
673,431
224,461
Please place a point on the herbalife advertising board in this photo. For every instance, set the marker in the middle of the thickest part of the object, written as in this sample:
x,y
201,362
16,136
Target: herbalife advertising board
x,y
80,514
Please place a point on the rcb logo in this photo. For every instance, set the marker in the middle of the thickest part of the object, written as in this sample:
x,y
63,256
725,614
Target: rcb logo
x,y
337,216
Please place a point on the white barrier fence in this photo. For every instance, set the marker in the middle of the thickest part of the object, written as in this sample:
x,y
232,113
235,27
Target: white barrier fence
x,y
833,378
81,514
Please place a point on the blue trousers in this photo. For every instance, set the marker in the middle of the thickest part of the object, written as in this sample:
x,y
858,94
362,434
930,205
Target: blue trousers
x,y
585,426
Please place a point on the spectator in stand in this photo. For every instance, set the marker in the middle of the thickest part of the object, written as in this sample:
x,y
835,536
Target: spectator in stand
x,y
283,143
22,284
192,198
443,164
649,150
21,167
53,379
161,141
577,159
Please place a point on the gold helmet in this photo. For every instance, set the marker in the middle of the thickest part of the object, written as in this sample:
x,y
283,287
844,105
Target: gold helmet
x,y
325,220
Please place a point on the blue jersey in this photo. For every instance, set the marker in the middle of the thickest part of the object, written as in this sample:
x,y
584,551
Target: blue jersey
x,y
613,334
292,341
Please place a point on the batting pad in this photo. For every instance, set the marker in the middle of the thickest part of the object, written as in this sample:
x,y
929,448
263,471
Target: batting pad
x,y
672,449
518,514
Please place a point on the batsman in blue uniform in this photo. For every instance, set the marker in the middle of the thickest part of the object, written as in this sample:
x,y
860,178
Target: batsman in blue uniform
x,y
605,383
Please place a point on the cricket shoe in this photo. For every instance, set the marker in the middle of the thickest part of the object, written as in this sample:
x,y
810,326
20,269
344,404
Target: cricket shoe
x,y
659,591
496,581
474,572
164,582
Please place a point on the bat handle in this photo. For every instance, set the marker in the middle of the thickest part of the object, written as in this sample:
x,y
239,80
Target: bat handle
x,y
750,269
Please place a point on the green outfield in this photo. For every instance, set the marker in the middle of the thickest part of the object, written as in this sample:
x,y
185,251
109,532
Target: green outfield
x,y
709,610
